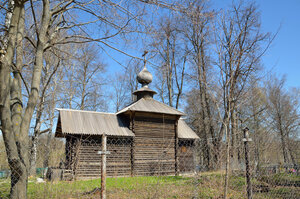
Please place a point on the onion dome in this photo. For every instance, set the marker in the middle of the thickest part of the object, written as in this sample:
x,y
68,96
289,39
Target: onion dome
x,y
144,77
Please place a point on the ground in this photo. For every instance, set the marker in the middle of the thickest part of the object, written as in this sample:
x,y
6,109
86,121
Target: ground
x,y
204,185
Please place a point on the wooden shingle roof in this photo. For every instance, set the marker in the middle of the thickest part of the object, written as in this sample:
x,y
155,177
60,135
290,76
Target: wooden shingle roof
x,y
78,122
185,132
90,123
152,106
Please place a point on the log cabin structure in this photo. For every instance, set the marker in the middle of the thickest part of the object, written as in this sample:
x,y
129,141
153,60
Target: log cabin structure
x,y
145,138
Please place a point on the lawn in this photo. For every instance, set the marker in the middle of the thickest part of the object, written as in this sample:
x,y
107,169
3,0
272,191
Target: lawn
x,y
122,187
204,185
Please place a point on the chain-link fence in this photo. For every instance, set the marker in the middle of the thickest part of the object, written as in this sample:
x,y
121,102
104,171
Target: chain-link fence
x,y
150,167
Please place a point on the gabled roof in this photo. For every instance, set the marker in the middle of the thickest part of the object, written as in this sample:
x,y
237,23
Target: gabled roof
x,y
79,122
185,132
151,105
90,123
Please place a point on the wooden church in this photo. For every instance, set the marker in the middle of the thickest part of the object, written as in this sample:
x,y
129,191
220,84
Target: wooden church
x,y
145,138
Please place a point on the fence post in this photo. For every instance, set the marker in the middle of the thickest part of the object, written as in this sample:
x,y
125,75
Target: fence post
x,y
246,140
103,168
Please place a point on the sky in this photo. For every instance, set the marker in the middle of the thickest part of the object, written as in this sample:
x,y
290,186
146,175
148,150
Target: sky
x,y
283,56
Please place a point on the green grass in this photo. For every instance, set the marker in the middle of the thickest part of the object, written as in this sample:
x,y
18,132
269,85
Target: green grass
x,y
4,188
282,179
205,185
64,189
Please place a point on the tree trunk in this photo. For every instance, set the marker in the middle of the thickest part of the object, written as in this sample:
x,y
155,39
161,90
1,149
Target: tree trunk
x,y
216,154
227,169
256,141
169,72
18,182
47,155
207,124
205,132
205,144
33,156
234,141
290,152
283,147
218,140
11,104
15,122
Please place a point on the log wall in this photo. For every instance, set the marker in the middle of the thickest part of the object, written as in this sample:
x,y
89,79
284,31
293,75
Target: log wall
x,y
150,152
154,152
186,156
86,162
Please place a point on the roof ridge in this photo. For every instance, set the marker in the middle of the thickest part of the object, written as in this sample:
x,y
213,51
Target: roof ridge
x,y
169,106
75,110
128,108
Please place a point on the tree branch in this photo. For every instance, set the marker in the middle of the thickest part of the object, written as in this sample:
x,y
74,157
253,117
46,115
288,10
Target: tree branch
x,y
57,9
30,41
44,131
34,19
22,78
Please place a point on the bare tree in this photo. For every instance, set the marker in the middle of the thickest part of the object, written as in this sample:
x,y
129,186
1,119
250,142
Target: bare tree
x,y
48,72
253,116
52,101
197,29
120,94
49,19
123,84
283,107
84,79
240,45
15,123
133,68
169,49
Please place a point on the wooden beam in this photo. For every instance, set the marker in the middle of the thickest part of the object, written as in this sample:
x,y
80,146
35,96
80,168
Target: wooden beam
x,y
132,117
103,168
176,148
